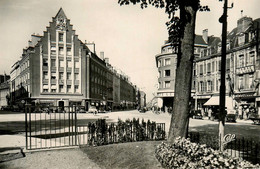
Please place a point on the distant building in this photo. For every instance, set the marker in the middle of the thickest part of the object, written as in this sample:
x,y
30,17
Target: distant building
x,y
4,90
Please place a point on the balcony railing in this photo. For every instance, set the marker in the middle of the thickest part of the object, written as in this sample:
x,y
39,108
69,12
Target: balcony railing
x,y
246,69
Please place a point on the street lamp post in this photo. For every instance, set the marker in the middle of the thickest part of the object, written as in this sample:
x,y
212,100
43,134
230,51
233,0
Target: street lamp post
x,y
222,98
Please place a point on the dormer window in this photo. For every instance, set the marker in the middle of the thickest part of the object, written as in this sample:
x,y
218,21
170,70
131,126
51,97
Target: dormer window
x,y
241,39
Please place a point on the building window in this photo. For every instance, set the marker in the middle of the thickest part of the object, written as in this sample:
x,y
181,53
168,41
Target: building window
x,y
45,62
61,63
68,51
219,65
53,50
228,64
167,84
77,76
240,61
53,75
53,88
201,69
201,86
159,63
69,76
61,51
167,61
208,67
77,64
69,88
251,58
45,75
69,63
61,87
61,75
167,73
53,62
240,83
76,89
209,86
213,66
159,73
251,81
45,90
61,37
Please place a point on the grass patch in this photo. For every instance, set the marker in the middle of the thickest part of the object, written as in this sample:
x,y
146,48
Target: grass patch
x,y
124,155
248,131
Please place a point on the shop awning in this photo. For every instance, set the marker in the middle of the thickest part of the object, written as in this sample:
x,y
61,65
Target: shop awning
x,y
214,101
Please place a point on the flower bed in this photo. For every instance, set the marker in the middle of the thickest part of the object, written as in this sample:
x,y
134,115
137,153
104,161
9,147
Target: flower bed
x,y
185,154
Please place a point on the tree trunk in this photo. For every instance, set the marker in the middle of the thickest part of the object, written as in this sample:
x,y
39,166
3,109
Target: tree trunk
x,y
181,105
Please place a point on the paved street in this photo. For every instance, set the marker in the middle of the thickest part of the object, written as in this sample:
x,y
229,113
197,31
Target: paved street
x,y
14,124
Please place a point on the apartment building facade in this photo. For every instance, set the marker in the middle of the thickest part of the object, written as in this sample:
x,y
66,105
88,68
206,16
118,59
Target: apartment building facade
x,y
166,63
59,69
242,66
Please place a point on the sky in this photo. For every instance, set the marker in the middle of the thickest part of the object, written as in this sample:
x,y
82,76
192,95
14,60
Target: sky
x,y
128,35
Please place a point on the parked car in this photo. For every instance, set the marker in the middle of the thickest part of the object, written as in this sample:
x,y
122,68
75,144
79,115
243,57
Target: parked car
x,y
231,118
231,115
142,109
196,114
92,109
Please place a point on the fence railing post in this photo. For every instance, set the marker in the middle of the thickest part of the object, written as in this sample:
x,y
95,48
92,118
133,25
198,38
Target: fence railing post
x,y
26,128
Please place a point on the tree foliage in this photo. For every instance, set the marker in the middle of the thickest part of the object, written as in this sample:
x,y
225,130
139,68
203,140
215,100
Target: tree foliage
x,y
181,30
174,25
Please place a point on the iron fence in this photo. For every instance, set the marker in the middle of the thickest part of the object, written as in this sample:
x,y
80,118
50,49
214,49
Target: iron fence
x,y
52,126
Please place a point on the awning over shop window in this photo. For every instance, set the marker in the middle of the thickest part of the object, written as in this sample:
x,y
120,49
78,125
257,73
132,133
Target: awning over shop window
x,y
214,101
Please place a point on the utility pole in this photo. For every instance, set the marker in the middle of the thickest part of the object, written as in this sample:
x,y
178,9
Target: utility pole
x,y
222,98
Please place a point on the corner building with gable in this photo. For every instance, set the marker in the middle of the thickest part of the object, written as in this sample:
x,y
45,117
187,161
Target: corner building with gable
x,y
59,69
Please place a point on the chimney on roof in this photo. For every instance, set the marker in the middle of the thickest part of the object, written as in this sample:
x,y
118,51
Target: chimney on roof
x,y
30,43
205,35
102,55
107,60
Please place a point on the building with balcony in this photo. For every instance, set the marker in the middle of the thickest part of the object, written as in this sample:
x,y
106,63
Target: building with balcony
x,y
242,66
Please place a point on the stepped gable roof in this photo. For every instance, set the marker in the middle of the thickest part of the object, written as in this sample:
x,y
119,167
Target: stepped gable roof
x,y
199,40
61,13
